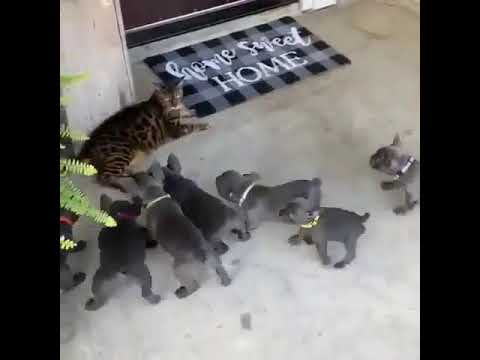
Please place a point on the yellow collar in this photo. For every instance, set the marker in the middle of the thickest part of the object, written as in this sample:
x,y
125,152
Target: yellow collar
x,y
311,224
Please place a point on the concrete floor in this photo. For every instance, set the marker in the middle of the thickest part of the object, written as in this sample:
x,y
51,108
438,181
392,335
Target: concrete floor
x,y
324,126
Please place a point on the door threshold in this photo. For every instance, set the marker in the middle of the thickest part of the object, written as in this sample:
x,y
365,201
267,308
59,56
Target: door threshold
x,y
169,30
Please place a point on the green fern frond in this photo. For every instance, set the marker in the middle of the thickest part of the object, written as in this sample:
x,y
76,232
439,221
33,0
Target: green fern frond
x,y
76,167
64,100
101,217
67,244
73,199
67,81
67,133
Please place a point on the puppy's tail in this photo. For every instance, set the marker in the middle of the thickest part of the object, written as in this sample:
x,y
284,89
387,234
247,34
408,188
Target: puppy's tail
x,y
365,217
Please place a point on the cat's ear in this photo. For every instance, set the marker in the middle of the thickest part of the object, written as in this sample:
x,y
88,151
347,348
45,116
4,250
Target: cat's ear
x,y
396,140
173,82
158,86
105,202
177,82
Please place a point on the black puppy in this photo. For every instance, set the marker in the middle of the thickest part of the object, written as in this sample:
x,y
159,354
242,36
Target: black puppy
x,y
177,235
263,203
214,219
326,224
122,250
68,279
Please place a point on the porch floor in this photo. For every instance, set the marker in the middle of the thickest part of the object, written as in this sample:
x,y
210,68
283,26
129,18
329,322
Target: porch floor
x,y
325,126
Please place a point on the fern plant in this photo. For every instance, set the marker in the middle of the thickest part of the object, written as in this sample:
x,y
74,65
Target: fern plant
x,y
72,198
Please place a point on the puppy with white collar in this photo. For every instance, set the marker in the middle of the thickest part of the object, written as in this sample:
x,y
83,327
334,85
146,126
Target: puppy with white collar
x,y
264,203
405,169
168,225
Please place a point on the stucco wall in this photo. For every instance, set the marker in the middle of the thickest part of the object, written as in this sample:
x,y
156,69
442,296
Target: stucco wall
x,y
91,41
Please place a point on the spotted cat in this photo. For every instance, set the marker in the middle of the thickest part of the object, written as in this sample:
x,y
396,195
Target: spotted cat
x,y
123,141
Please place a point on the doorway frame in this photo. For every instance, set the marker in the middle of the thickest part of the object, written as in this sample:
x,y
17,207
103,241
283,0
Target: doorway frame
x,y
306,5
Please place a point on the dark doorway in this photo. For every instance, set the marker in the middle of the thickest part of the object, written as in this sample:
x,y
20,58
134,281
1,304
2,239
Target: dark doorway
x,y
151,20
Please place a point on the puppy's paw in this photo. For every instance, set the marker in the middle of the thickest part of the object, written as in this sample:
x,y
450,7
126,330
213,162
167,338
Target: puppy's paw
x,y
225,281
244,236
400,210
181,292
80,246
78,278
326,260
294,240
151,244
153,299
339,265
386,185
92,305
220,248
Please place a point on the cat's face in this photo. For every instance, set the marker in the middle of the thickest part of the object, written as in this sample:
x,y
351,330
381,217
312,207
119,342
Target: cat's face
x,y
170,96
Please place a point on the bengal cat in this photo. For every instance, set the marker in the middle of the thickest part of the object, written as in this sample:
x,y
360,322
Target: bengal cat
x,y
125,139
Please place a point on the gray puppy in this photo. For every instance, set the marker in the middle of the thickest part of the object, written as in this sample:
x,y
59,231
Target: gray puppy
x,y
168,225
216,220
392,160
326,224
263,203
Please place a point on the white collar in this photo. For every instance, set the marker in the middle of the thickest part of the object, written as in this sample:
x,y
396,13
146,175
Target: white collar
x,y
160,198
409,163
245,193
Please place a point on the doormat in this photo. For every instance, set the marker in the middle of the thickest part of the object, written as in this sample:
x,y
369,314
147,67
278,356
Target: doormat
x,y
231,69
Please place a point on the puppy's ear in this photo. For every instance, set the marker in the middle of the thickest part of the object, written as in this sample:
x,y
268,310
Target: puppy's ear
x,y
156,172
174,164
137,204
105,202
282,212
137,200
396,140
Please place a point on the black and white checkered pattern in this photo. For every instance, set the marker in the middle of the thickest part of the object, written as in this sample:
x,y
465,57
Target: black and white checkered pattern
x,y
207,96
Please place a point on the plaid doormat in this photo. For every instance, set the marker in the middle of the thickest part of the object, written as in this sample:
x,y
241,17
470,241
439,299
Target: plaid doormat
x,y
231,69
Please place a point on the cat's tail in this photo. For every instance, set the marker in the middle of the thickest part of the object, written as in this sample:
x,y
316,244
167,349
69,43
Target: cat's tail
x,y
365,217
